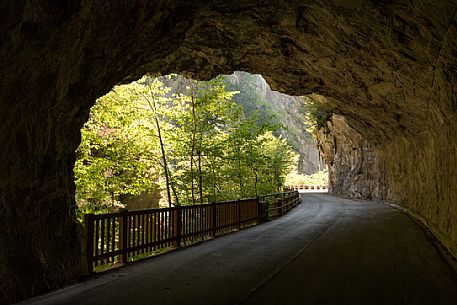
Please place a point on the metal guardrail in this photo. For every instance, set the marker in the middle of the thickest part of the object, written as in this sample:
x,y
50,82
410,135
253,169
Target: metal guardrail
x,y
306,187
114,239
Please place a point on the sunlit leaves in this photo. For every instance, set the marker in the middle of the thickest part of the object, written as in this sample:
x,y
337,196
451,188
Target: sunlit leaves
x,y
209,145
316,116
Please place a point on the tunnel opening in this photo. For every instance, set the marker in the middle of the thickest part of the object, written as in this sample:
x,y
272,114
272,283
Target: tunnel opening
x,y
387,72
170,141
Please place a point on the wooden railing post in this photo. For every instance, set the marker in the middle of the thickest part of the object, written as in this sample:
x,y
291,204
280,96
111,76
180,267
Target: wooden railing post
x,y
256,204
123,238
280,206
262,207
291,202
238,220
178,225
213,218
89,228
286,204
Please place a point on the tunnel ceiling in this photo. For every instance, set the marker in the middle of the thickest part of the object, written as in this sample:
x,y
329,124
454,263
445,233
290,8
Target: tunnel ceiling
x,y
389,67
377,62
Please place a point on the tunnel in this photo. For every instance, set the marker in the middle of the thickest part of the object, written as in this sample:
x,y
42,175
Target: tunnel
x,y
387,70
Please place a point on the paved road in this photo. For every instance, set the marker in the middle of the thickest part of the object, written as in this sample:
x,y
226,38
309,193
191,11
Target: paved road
x,y
326,251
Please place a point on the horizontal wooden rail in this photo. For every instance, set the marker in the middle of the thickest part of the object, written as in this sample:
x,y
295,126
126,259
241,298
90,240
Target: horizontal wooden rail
x,y
115,239
277,205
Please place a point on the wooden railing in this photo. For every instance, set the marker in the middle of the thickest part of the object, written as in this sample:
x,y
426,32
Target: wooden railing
x,y
115,239
276,205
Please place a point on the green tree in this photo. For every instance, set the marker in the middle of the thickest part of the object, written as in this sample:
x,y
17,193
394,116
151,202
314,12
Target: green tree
x,y
149,93
316,116
117,153
197,142
201,125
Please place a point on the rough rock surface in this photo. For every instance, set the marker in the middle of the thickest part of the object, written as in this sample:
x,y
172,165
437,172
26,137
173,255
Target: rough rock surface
x,y
418,174
291,113
389,67
351,160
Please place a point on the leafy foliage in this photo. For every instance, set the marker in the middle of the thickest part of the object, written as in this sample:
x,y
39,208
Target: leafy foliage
x,y
288,113
316,116
252,102
194,148
117,154
319,178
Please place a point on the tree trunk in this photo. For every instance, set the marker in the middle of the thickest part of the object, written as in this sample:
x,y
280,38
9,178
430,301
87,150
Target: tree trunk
x,y
194,131
240,176
164,160
200,176
256,181
153,107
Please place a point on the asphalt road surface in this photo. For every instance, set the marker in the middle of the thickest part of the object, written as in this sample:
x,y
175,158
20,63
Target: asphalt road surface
x,y
326,251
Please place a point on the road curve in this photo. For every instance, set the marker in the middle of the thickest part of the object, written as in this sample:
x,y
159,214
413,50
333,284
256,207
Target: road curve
x,y
328,250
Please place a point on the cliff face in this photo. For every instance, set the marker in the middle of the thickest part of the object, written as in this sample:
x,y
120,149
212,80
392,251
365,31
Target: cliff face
x,y
351,160
256,95
388,67
293,116
416,174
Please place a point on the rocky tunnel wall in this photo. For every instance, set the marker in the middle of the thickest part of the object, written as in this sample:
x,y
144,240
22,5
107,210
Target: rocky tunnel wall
x,y
387,67
416,175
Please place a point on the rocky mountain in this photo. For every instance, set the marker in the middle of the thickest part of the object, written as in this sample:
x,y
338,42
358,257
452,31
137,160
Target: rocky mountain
x,y
255,95
257,98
